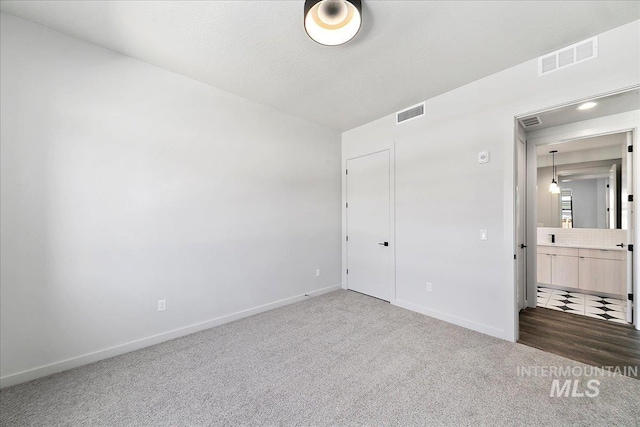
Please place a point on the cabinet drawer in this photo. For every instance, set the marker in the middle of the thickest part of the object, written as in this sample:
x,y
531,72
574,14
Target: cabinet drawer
x,y
566,251
602,254
551,250
546,250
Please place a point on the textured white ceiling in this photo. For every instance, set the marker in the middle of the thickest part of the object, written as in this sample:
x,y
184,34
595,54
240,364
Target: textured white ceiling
x,y
406,51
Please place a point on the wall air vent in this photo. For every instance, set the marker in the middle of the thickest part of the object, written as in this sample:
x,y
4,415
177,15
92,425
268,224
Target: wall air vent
x,y
410,113
530,121
568,56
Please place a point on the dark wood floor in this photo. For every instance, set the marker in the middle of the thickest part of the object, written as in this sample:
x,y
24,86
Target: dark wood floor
x,y
591,341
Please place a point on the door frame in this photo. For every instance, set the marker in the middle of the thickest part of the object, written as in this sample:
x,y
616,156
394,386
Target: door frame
x,y
390,147
520,138
632,126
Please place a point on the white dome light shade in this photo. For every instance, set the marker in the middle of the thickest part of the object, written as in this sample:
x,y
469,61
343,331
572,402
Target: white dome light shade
x,y
332,22
554,188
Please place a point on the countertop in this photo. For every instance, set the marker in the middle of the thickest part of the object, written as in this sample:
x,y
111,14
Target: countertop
x,y
567,245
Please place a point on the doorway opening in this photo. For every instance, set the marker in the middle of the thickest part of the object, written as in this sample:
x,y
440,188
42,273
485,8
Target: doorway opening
x,y
583,227
575,225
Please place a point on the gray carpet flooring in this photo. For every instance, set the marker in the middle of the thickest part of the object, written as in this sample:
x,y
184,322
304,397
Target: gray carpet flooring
x,y
337,359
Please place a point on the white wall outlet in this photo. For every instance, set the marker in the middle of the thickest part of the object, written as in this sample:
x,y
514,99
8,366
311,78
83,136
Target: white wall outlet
x,y
429,287
484,235
483,157
318,273
162,305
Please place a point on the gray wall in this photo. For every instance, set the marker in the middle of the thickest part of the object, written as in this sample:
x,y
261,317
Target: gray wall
x,y
585,202
123,184
548,204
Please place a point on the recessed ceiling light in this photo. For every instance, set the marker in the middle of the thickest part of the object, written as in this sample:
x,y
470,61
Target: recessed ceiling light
x,y
332,22
587,105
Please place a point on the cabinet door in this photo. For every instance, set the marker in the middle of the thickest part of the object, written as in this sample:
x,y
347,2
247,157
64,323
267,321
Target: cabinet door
x,y
603,275
544,268
564,271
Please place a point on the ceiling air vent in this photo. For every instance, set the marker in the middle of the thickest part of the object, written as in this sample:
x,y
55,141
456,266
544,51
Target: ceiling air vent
x,y
410,113
530,121
568,56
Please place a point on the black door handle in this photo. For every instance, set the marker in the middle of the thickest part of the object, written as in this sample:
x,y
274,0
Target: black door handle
x,y
384,243
621,245
522,246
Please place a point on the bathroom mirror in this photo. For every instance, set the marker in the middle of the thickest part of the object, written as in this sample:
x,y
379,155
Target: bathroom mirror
x,y
590,197
592,183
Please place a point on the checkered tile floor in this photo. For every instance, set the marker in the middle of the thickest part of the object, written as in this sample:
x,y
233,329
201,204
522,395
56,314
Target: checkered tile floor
x,y
610,309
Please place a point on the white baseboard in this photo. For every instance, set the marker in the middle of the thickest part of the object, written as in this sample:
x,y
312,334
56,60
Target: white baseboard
x,y
475,326
324,290
74,362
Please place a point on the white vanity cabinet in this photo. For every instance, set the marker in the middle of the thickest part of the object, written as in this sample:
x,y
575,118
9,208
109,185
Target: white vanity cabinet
x,y
544,264
604,271
564,268
591,270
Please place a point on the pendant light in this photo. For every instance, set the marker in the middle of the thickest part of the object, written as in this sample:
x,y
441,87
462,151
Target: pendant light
x,y
332,22
554,188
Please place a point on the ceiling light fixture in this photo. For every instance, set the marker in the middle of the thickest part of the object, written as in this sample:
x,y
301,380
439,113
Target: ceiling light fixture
x,y
332,22
587,105
553,187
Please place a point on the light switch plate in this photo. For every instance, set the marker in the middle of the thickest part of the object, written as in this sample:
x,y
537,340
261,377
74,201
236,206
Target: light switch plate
x,y
483,157
483,235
